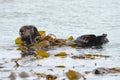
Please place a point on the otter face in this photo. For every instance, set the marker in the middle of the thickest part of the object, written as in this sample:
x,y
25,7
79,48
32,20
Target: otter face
x,y
28,33
102,39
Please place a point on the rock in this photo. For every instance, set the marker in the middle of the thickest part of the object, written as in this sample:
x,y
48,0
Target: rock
x,y
100,71
13,76
23,74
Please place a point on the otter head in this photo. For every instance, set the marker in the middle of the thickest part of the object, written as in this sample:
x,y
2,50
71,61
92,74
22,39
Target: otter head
x,y
28,34
101,39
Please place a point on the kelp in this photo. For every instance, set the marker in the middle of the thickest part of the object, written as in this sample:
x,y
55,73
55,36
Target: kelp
x,y
50,77
97,55
114,69
16,59
40,74
44,42
47,76
90,56
18,40
73,45
41,53
62,54
60,66
22,48
16,64
43,45
103,70
47,40
73,75
41,32
70,38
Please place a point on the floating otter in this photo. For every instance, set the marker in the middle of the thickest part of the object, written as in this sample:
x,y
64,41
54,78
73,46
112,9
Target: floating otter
x,y
91,40
28,34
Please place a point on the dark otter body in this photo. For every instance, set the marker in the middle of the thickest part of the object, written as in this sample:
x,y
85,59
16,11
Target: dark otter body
x,y
91,40
28,34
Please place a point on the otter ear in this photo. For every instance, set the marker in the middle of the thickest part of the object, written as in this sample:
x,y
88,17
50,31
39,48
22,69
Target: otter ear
x,y
104,35
35,31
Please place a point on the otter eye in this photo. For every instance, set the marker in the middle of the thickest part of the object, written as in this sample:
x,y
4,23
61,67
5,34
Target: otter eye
x,y
21,30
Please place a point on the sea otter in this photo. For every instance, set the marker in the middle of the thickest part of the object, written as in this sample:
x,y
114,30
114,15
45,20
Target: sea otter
x,y
91,40
28,34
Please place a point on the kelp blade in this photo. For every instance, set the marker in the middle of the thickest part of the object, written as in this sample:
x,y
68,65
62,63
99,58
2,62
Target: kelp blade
x,y
41,53
18,40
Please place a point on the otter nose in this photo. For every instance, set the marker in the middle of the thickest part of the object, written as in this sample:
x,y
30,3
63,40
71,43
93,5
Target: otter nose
x,y
104,35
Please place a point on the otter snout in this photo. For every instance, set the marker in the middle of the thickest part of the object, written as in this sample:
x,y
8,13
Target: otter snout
x,y
28,34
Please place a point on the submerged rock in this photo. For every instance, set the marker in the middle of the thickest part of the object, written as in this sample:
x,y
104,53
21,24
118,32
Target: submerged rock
x,y
100,71
23,74
13,76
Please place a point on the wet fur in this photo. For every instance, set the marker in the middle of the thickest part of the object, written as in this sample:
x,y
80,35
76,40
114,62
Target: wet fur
x,y
91,40
28,34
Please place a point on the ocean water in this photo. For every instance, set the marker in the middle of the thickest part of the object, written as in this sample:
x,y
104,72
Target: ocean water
x,y
62,18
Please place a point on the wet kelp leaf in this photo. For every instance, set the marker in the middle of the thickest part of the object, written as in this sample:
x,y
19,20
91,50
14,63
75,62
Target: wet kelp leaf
x,y
43,43
41,53
18,40
70,38
16,59
79,57
96,55
114,69
50,37
73,45
62,54
22,48
103,70
59,42
41,32
47,76
50,77
40,74
73,75
60,66
89,56
16,64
